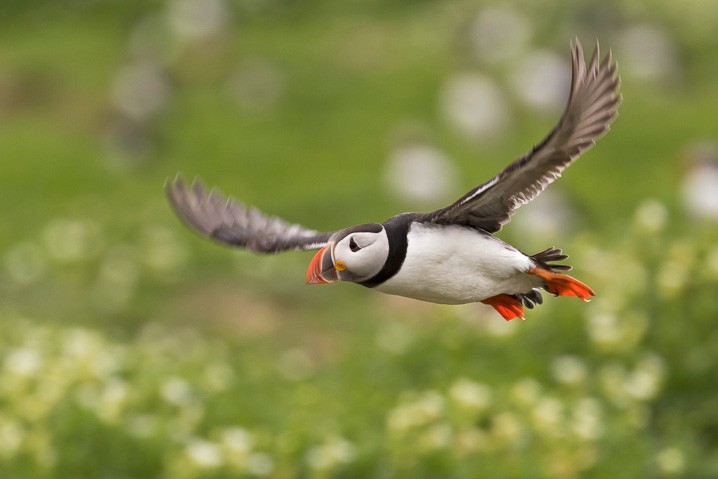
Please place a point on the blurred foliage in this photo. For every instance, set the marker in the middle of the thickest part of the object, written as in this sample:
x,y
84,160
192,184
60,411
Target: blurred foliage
x,y
131,348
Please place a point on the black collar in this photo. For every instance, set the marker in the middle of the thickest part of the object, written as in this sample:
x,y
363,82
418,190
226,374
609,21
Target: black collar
x,y
397,230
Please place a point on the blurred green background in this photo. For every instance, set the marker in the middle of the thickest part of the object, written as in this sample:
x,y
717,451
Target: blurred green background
x,y
129,347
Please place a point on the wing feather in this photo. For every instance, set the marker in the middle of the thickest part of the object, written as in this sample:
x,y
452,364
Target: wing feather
x,y
590,110
227,221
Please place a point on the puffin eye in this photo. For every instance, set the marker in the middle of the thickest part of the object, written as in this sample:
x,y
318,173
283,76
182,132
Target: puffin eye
x,y
353,245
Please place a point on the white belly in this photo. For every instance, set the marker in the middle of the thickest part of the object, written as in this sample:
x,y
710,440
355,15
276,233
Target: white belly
x,y
455,265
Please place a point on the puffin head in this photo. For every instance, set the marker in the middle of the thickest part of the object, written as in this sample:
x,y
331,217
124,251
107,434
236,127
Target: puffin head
x,y
353,254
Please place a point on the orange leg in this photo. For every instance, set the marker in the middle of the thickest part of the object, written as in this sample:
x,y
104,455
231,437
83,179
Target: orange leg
x,y
507,306
563,284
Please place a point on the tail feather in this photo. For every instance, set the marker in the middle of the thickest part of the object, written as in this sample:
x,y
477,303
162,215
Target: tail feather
x,y
550,255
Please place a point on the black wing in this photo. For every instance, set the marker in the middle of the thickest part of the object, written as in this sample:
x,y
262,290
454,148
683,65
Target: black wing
x,y
232,223
592,107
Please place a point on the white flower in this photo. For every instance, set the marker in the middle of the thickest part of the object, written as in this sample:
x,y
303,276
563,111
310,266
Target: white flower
x,y
499,34
651,216
569,370
470,394
700,189
218,376
526,391
176,391
420,172
426,408
260,464
23,361
649,52
507,427
541,80
673,277
645,381
258,85
671,460
204,454
548,415
140,89
430,405
437,436
588,419
11,437
195,19
609,332
603,328
237,440
112,399
69,240
474,105
334,451
142,425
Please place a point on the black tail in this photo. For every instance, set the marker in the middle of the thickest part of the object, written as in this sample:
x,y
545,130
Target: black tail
x,y
549,255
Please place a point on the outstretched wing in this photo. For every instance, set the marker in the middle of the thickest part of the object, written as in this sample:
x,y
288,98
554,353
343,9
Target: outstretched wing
x,y
224,220
592,107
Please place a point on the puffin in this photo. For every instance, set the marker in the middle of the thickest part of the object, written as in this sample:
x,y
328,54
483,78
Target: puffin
x,y
447,256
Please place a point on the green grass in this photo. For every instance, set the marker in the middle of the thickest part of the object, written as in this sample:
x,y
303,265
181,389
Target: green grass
x,y
129,347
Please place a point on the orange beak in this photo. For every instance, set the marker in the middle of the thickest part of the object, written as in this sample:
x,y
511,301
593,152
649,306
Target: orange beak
x,y
321,269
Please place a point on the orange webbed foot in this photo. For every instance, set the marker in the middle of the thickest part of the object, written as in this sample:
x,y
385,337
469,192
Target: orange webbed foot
x,y
506,305
562,284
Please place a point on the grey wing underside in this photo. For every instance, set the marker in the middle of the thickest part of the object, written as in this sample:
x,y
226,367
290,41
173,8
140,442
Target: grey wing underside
x,y
591,108
229,222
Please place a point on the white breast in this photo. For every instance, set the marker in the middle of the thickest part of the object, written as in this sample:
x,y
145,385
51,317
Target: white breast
x,y
455,265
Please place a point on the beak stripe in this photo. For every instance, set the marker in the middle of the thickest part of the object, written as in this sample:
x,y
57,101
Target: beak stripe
x,y
321,269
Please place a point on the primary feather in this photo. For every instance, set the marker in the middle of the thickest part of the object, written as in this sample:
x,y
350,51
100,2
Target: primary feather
x,y
232,223
590,110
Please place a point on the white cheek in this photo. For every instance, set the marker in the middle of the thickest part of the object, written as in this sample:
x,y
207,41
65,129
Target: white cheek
x,y
366,262
370,260
360,264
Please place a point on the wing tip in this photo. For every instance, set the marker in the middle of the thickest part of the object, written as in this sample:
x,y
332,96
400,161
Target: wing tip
x,y
179,184
211,214
174,189
596,63
601,76
172,184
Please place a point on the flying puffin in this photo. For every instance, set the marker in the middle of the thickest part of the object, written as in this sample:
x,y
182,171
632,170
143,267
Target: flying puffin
x,y
450,255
